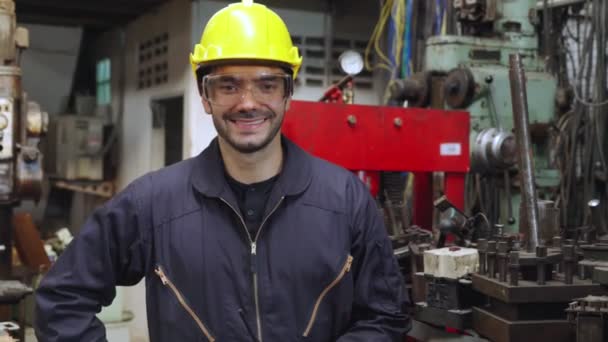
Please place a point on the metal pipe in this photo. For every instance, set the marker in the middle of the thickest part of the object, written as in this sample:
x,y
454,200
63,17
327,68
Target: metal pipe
x,y
556,3
519,98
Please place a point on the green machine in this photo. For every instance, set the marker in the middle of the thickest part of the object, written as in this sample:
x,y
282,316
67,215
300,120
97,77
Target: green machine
x,y
471,72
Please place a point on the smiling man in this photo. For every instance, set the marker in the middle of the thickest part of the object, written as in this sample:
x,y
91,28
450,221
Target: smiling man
x,y
252,240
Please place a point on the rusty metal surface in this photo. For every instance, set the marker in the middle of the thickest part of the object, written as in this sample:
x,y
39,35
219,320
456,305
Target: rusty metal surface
x,y
526,311
458,319
29,243
530,292
416,90
419,289
10,82
522,135
591,329
8,24
498,329
459,88
590,314
548,216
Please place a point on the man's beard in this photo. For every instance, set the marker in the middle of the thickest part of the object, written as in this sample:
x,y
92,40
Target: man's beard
x,y
249,147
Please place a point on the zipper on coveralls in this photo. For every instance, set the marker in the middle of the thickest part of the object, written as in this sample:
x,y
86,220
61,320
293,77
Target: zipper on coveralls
x,y
254,272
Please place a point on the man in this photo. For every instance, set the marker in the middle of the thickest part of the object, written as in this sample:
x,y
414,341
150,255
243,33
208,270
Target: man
x,y
252,240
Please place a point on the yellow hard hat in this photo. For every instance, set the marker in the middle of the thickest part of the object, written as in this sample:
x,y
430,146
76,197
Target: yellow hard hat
x,y
246,31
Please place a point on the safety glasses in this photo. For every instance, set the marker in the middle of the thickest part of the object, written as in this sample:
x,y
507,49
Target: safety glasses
x,y
230,89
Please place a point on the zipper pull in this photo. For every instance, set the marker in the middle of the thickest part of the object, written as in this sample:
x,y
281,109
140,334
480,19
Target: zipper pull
x,y
159,272
253,257
349,263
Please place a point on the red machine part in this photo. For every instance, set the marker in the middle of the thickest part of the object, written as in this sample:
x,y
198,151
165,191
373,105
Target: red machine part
x,y
376,138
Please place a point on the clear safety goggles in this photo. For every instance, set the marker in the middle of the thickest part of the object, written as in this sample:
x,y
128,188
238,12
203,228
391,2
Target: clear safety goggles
x,y
229,89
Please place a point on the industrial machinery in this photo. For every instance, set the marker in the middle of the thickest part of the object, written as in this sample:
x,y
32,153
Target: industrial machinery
x,y
447,294
470,72
76,144
529,270
22,124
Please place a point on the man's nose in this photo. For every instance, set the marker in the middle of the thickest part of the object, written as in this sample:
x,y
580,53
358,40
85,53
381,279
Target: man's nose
x,y
247,101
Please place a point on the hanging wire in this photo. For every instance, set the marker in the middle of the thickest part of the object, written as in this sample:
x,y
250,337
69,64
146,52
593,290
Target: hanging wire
x,y
391,11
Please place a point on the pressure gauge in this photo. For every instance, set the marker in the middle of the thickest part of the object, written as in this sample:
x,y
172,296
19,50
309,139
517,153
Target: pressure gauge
x,y
351,62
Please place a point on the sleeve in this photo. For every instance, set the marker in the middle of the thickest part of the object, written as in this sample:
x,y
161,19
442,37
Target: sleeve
x,y
111,249
380,296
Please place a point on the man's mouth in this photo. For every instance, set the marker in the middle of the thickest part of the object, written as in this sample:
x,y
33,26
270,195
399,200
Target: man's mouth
x,y
248,122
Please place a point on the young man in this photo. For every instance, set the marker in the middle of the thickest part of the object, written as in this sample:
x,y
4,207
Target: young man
x,y
252,240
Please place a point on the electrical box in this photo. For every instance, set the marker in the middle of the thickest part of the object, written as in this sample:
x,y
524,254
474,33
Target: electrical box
x,y
76,144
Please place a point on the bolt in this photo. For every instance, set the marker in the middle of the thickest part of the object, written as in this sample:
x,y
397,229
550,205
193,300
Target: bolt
x,y
541,254
398,122
499,229
557,241
352,120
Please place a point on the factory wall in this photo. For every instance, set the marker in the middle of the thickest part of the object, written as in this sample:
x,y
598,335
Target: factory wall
x,y
48,65
141,146
139,142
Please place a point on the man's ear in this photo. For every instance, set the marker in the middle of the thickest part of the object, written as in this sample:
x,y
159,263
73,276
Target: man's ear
x,y
287,103
206,105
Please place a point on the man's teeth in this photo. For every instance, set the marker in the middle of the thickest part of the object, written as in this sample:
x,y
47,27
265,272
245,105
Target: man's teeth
x,y
249,122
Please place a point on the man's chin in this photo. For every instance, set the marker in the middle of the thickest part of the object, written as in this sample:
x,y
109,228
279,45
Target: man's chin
x,y
248,146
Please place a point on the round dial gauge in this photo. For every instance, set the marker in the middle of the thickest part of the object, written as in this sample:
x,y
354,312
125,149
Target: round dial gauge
x,y
351,62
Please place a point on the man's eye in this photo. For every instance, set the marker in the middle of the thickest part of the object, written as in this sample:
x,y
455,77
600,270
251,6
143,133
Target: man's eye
x,y
269,86
227,87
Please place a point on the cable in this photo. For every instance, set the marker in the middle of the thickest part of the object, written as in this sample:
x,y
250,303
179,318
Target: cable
x,y
588,56
485,218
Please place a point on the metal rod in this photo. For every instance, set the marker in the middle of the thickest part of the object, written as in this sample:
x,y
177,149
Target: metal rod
x,y
503,261
556,3
524,149
482,246
568,264
541,254
513,268
507,179
491,255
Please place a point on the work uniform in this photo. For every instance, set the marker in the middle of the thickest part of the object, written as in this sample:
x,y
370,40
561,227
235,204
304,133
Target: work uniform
x,y
319,268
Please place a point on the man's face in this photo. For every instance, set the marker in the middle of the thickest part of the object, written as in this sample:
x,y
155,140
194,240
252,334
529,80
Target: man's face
x,y
247,104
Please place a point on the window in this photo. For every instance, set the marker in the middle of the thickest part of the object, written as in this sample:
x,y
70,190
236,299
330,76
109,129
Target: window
x,y
104,95
153,62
